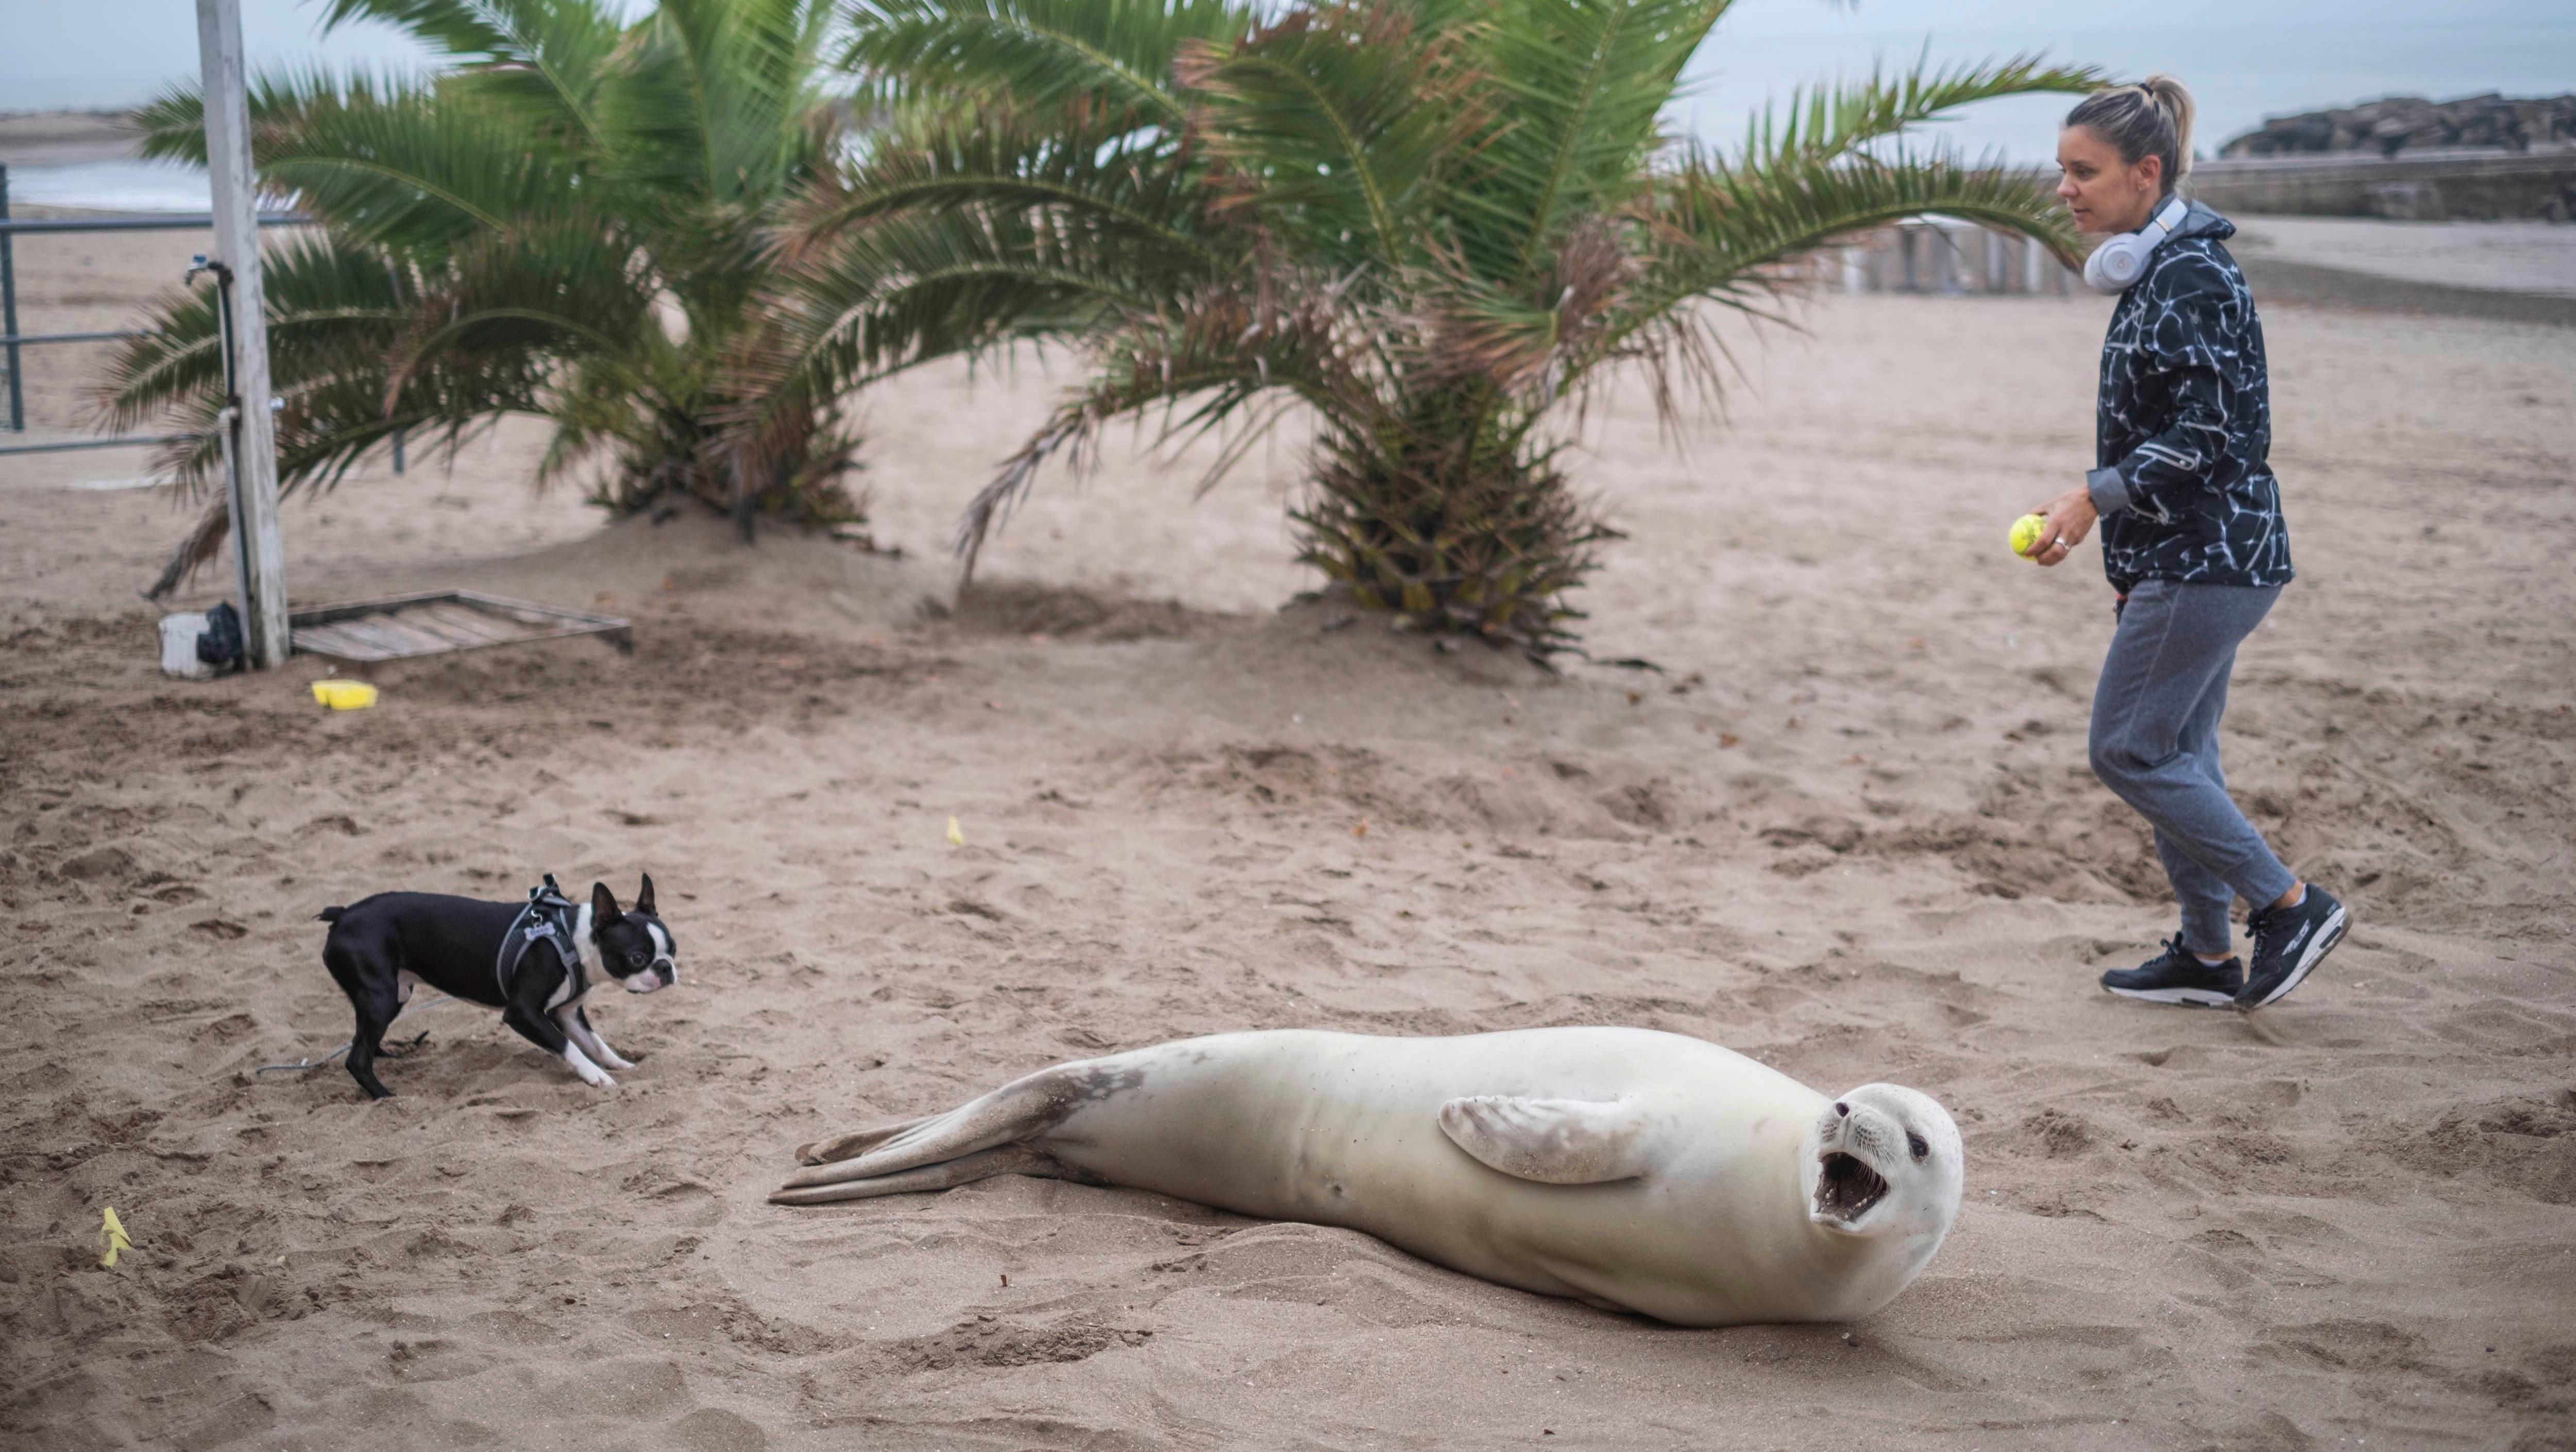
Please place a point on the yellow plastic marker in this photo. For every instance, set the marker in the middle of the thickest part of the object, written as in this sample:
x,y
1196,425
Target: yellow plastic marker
x,y
111,1236
956,835
342,695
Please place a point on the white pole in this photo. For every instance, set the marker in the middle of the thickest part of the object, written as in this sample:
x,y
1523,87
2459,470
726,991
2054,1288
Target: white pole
x,y
259,548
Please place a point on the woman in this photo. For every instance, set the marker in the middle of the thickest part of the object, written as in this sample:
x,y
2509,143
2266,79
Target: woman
x,y
2192,539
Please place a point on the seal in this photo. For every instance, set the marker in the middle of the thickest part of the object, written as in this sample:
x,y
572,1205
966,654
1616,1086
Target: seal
x,y
1630,1169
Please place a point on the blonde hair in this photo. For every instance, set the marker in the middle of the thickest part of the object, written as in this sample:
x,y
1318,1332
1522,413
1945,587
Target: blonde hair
x,y
2150,118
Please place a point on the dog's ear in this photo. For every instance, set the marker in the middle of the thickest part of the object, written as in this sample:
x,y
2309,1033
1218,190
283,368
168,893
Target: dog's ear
x,y
603,906
644,899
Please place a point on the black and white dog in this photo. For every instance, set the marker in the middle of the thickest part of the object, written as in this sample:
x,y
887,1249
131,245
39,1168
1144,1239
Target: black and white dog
x,y
535,961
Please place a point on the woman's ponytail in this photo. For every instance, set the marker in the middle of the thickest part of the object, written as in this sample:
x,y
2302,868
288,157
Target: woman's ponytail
x,y
2151,118
2172,99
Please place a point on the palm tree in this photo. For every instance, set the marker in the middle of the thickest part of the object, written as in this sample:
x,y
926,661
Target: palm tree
x,y
1434,224
565,220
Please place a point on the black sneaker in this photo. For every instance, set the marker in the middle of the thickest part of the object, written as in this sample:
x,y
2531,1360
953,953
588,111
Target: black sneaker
x,y
2289,943
2175,976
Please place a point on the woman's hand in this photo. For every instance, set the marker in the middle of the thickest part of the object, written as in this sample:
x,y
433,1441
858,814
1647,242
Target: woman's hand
x,y
2067,519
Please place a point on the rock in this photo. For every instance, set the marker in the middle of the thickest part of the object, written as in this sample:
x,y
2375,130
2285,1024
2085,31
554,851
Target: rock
x,y
2396,124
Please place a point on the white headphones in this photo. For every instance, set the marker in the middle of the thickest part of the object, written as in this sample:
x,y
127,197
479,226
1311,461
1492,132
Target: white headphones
x,y
2119,262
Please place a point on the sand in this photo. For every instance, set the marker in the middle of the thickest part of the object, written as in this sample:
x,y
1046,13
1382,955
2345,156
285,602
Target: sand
x,y
1846,829
63,138
2518,257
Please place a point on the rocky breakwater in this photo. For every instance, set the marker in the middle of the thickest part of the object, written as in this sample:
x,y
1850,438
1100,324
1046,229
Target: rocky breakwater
x,y
2405,158
2399,124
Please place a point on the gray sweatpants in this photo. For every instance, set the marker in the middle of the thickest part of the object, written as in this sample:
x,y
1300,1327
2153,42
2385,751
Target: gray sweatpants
x,y
2155,744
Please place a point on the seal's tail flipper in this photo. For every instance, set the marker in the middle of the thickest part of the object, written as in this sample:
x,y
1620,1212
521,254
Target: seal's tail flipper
x,y
1018,1111
1009,1159
824,1151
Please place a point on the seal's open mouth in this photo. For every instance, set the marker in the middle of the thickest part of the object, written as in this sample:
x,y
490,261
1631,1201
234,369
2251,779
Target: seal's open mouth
x,y
1846,1188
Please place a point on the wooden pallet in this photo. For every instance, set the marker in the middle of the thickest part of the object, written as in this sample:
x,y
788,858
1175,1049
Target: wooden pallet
x,y
441,621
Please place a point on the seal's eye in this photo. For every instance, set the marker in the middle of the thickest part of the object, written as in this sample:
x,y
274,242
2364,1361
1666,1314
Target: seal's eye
x,y
1915,1143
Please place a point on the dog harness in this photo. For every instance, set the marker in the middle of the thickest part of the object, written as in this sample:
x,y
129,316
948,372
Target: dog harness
x,y
549,917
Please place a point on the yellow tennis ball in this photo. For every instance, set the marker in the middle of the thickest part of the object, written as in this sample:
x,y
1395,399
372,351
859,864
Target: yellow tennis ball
x,y
2025,533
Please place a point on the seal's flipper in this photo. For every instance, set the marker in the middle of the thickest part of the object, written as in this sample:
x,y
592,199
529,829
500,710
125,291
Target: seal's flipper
x,y
824,1151
1013,1114
1010,1159
1552,1141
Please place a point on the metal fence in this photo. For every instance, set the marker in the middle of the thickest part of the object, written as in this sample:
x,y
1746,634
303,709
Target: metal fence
x,y
12,341
1937,255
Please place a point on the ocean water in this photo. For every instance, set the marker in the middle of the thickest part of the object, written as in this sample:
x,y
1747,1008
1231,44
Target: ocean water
x,y
112,186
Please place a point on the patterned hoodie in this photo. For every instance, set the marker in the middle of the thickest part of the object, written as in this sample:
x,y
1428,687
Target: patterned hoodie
x,y
2184,424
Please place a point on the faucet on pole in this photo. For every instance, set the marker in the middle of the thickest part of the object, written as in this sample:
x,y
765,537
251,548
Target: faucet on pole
x,y
249,426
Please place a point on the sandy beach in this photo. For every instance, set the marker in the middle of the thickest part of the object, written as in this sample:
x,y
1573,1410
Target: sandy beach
x,y
1846,828
2519,257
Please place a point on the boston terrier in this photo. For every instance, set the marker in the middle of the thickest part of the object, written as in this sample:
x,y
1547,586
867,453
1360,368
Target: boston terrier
x,y
535,961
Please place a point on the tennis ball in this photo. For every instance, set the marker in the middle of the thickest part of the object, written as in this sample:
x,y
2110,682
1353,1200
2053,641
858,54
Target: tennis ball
x,y
2025,533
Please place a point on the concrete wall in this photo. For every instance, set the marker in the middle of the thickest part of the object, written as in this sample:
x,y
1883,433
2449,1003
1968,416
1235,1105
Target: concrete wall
x,y
2428,186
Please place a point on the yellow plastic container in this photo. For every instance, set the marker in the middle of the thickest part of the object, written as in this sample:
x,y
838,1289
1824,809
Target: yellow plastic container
x,y
344,695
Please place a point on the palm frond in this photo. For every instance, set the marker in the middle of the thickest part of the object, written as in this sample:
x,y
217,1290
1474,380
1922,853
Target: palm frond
x,y
1829,121
1472,331
392,162
326,306
709,105
544,58
1039,54
522,304
990,227
1579,84
1333,122
1715,228
919,285
1106,168
335,318
1714,233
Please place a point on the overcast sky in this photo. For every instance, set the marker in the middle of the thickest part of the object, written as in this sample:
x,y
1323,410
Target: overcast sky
x,y
2244,58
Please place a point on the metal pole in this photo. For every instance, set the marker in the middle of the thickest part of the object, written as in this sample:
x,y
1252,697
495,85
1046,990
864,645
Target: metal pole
x,y
185,222
260,549
129,441
14,339
9,311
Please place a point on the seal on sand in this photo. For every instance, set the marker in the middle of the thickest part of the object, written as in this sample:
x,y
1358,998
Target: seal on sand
x,y
1630,1169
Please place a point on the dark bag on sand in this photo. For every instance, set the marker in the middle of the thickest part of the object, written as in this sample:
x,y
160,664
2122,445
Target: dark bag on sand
x,y
220,645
